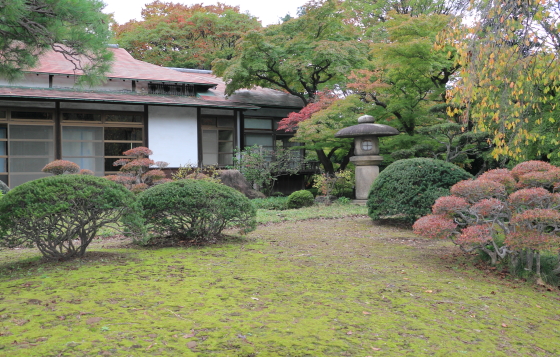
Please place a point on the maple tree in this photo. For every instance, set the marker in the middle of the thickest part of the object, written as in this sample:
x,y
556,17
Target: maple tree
x,y
76,28
190,36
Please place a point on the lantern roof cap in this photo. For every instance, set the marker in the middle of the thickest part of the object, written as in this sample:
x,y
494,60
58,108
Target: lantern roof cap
x,y
366,127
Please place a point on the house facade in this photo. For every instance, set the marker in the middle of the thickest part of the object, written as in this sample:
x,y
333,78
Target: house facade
x,y
182,115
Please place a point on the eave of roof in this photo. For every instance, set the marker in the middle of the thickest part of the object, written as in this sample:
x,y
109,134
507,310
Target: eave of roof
x,y
124,67
115,97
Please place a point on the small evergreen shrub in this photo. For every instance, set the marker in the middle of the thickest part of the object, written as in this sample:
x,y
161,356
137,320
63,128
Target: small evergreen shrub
x,y
407,189
196,210
61,214
300,199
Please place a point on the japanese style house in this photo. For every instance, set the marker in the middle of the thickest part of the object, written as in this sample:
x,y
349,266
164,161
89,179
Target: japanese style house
x,y
182,115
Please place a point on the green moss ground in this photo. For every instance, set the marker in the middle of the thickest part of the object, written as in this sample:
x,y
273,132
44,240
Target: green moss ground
x,y
324,287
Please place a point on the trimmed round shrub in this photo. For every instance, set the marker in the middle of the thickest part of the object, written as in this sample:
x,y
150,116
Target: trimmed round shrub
x,y
196,209
62,214
407,189
300,199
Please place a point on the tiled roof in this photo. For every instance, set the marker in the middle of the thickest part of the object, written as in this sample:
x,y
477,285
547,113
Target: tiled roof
x,y
115,97
123,67
257,96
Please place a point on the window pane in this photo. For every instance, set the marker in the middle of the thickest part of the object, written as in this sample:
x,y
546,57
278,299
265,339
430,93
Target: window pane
x,y
225,122
16,180
123,134
3,165
117,149
225,135
82,148
31,148
81,116
123,118
209,141
210,159
34,164
3,132
109,165
4,178
2,114
226,146
258,124
3,147
31,132
262,140
81,133
94,164
32,115
225,159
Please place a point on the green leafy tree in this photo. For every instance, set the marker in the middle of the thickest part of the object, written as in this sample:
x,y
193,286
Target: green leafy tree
x,y
262,167
407,76
189,36
509,78
76,28
299,56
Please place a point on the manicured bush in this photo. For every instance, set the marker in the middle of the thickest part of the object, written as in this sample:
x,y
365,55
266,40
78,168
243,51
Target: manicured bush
x,y
62,214
502,214
300,199
138,171
196,210
60,167
407,189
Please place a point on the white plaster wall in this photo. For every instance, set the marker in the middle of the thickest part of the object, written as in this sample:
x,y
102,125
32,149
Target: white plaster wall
x,y
102,106
172,135
29,80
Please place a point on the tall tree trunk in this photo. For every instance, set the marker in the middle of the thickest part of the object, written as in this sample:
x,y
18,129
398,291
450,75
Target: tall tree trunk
x,y
346,159
325,161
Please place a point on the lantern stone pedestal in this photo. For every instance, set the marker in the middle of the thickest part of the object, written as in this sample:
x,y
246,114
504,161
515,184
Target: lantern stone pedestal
x,y
366,150
367,170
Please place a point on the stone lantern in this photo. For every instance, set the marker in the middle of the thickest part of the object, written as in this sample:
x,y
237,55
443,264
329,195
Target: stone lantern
x,y
366,150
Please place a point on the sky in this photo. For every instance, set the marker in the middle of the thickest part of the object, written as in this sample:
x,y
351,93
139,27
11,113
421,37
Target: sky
x,y
268,11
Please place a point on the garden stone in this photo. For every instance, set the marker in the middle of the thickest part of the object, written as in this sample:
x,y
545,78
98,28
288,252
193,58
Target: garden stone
x,y
234,179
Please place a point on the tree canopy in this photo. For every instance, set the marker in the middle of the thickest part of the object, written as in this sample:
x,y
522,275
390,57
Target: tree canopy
x,y
509,79
76,28
190,36
300,56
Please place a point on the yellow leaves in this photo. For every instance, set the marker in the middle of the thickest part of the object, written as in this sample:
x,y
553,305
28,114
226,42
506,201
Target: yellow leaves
x,y
551,120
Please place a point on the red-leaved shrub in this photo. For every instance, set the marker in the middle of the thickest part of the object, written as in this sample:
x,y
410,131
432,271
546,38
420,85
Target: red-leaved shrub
x,y
60,167
502,213
138,171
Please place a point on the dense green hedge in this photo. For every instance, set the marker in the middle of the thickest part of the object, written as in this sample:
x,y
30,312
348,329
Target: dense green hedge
x,y
196,209
408,188
62,214
300,199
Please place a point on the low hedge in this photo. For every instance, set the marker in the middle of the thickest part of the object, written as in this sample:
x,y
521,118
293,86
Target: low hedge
x,y
196,209
62,214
